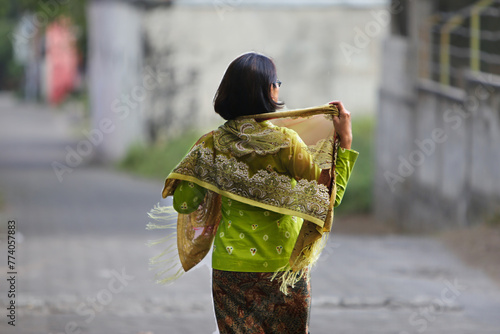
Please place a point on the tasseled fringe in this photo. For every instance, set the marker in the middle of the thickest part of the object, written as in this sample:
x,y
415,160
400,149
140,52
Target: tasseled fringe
x,y
163,214
167,264
289,275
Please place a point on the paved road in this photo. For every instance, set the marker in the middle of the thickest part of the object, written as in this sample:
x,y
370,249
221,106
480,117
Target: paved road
x,y
82,261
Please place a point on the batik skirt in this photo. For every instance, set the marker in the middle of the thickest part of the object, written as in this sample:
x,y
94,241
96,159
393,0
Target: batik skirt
x,y
250,303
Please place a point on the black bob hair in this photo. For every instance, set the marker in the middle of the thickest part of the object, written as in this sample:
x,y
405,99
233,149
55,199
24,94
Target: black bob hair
x,y
245,88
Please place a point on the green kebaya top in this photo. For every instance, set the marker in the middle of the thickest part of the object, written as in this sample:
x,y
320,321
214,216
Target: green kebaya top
x,y
268,182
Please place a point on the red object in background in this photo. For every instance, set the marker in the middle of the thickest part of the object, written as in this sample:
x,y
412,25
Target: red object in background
x,y
61,60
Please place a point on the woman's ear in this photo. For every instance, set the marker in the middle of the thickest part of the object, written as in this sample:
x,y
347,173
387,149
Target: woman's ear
x,y
274,91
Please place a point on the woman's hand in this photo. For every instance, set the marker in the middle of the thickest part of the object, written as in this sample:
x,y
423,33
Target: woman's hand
x,y
342,124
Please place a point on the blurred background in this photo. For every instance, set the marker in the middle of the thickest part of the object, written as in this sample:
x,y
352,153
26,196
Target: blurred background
x,y
100,99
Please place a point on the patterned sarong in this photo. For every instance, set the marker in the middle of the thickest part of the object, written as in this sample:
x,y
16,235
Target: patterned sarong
x,y
250,303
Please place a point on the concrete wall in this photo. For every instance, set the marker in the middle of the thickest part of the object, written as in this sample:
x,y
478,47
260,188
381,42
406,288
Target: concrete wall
x,y
322,53
393,135
484,136
115,77
153,71
437,149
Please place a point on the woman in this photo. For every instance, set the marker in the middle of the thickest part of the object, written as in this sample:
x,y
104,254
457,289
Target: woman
x,y
248,186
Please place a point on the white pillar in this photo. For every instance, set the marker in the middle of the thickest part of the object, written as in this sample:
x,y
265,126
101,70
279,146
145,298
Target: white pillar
x,y
116,88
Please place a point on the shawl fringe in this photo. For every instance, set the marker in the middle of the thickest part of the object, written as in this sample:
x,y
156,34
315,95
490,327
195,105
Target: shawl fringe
x,y
166,263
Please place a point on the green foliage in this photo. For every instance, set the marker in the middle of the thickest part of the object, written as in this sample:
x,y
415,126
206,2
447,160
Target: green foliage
x,y
158,160
359,192
493,219
8,8
10,71
46,11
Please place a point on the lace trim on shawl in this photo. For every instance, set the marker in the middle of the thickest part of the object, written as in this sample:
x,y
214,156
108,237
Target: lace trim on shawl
x,y
306,199
242,137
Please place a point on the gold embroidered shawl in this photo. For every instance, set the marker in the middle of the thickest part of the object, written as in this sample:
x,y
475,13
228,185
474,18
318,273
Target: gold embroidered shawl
x,y
213,164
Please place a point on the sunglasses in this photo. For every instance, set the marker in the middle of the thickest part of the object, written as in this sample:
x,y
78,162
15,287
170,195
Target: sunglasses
x,y
277,83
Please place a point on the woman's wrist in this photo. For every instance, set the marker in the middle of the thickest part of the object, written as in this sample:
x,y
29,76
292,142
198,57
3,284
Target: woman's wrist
x,y
346,142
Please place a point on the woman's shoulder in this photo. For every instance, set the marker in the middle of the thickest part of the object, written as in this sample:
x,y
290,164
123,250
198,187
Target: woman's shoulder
x,y
289,133
206,138
291,136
